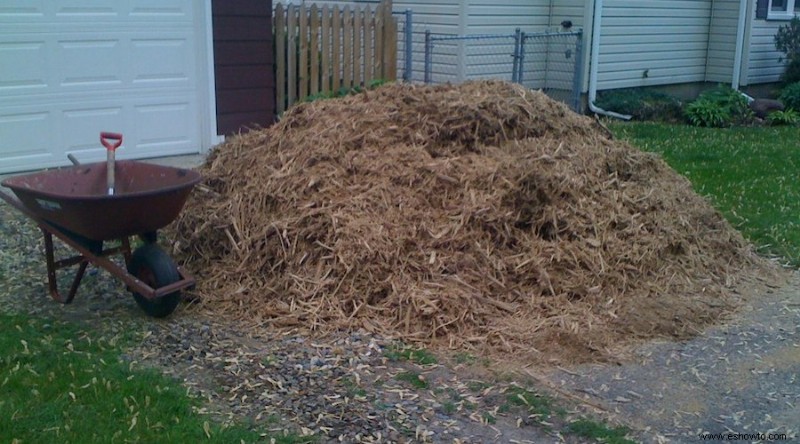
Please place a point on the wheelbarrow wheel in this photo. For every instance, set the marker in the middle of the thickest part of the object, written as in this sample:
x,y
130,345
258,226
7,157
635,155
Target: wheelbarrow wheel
x,y
153,266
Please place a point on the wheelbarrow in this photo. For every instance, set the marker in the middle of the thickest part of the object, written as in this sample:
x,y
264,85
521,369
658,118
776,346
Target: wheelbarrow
x,y
86,205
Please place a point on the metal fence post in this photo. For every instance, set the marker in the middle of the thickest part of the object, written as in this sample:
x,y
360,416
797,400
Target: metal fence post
x,y
428,55
577,77
521,65
409,35
515,66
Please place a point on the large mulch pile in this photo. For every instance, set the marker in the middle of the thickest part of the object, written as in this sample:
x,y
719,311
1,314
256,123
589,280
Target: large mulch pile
x,y
478,215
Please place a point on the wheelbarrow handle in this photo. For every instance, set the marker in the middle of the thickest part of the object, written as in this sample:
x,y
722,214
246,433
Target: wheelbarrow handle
x,y
107,138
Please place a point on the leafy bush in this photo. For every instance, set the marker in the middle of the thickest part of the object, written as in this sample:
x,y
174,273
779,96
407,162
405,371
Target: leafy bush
x,y
787,41
642,104
704,112
719,107
789,117
790,96
791,74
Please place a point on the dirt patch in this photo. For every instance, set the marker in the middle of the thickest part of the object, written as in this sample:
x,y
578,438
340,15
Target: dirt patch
x,y
482,216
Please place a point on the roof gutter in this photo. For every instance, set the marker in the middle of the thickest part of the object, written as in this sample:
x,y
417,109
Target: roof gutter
x,y
594,61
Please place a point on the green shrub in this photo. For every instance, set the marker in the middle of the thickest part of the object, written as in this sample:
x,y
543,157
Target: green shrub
x,y
704,112
719,107
789,117
790,96
642,104
787,41
791,74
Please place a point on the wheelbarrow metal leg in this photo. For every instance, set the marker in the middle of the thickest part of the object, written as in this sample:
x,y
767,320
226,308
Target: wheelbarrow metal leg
x,y
53,266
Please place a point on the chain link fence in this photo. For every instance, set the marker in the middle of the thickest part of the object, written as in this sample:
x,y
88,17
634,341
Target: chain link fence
x,y
410,46
553,62
550,61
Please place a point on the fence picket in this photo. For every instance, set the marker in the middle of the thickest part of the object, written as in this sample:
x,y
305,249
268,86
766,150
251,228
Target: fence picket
x,y
369,45
378,60
336,70
322,49
302,76
326,50
291,55
347,66
280,59
314,49
358,29
389,41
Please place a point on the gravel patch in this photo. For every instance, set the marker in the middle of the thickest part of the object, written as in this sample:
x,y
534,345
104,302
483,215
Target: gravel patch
x,y
741,378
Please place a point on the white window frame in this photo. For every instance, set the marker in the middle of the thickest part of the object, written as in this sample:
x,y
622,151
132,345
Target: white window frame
x,y
792,8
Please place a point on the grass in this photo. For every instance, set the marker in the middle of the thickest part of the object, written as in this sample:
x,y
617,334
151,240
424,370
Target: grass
x,y
413,378
599,432
540,406
748,173
62,384
397,353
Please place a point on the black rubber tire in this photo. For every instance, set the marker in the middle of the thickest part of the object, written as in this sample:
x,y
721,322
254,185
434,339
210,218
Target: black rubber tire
x,y
152,265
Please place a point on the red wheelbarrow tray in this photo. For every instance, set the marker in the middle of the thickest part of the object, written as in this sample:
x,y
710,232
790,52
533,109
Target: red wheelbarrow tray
x,y
147,197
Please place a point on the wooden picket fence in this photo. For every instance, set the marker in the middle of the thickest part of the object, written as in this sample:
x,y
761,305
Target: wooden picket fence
x,y
323,50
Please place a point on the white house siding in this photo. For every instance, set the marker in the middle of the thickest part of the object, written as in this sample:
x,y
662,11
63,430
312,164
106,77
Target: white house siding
x,y
653,42
722,41
492,58
762,57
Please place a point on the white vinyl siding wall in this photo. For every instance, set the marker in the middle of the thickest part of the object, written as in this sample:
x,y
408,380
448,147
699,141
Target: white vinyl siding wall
x,y
493,58
762,57
722,41
653,42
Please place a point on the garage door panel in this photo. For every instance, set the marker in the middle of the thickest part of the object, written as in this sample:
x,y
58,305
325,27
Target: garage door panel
x,y
174,56
16,9
25,136
28,59
163,126
93,8
74,68
90,62
165,8
85,124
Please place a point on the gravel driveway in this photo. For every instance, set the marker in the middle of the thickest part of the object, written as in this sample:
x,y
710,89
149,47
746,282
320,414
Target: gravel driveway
x,y
741,377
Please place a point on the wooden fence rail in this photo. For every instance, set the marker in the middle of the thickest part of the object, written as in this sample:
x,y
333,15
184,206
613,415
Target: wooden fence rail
x,y
322,50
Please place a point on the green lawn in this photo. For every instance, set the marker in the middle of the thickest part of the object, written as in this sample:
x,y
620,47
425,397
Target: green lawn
x,y
59,383
750,174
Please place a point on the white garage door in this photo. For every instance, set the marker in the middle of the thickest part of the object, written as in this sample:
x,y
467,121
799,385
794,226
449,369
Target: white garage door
x,y
72,68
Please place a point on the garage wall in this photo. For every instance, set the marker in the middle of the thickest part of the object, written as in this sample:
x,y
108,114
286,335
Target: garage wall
x,y
243,64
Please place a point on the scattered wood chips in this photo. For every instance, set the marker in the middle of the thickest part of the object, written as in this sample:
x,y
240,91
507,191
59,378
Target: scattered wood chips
x,y
481,216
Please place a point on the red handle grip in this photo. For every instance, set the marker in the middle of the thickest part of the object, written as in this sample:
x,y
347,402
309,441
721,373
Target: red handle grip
x,y
106,138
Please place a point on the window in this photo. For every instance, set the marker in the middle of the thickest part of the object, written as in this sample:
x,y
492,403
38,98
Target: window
x,y
782,9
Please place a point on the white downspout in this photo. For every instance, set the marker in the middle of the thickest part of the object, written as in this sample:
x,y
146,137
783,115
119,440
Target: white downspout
x,y
737,58
594,61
